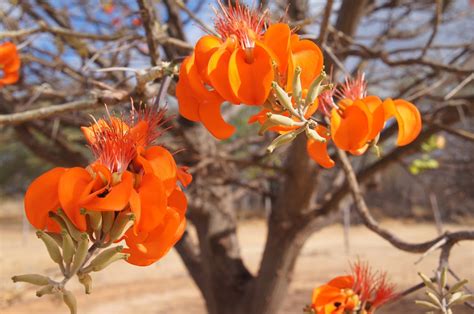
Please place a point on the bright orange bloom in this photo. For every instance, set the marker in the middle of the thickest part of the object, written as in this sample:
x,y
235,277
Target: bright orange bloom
x,y
238,66
9,64
129,174
364,290
146,248
335,297
359,119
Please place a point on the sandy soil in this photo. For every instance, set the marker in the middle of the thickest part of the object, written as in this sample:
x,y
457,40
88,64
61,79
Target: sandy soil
x,y
166,287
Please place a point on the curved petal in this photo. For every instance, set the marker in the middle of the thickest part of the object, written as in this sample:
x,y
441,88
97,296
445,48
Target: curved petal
x,y
319,151
218,73
211,117
375,106
309,57
277,39
351,131
117,197
183,176
342,282
145,251
42,197
135,208
159,161
251,81
153,203
188,106
204,49
408,119
74,184
178,201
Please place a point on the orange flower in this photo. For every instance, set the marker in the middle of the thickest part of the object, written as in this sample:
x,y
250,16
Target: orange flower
x,y
9,64
335,297
359,119
364,290
128,174
146,248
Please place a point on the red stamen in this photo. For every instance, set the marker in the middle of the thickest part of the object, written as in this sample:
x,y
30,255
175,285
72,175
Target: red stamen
x,y
154,117
326,101
353,88
113,145
240,21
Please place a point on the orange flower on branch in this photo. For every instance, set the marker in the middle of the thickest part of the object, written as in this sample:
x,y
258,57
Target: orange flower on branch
x,y
363,292
129,175
9,64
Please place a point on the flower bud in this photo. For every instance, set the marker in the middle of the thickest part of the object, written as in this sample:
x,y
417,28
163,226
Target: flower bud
x,y
313,134
86,281
70,300
49,289
108,218
94,218
105,256
276,120
123,222
314,90
34,279
283,139
68,247
297,89
51,246
458,286
75,234
81,253
116,257
283,97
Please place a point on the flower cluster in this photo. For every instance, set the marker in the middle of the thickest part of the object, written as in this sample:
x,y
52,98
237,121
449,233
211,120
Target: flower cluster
x,y
9,64
131,182
253,62
362,292
240,65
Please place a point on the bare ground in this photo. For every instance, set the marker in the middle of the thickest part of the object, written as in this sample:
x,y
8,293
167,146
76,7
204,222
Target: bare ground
x,y
165,287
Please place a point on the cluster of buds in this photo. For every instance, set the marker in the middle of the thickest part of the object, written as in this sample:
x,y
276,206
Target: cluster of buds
x,y
442,298
362,292
131,192
256,63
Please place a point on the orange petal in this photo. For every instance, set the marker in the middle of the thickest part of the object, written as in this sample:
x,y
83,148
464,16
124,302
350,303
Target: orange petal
x,y
277,38
159,161
188,106
117,197
153,202
251,82
178,201
183,176
342,282
375,106
218,73
136,208
309,57
42,197
351,131
203,51
211,117
73,185
408,119
319,151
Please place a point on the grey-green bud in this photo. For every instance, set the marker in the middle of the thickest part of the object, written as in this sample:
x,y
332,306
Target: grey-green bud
x,y
34,279
70,300
108,218
81,254
51,246
123,222
45,290
86,281
68,247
